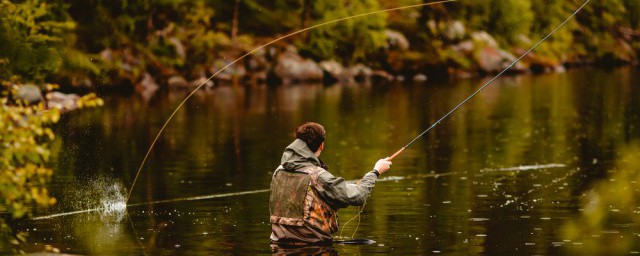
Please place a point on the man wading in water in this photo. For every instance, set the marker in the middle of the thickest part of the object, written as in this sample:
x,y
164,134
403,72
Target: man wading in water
x,y
305,196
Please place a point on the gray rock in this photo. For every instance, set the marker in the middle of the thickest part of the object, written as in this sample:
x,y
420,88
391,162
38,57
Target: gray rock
x,y
236,70
454,30
559,69
61,101
29,93
420,78
360,71
147,86
482,38
464,47
332,69
179,47
381,75
106,54
201,80
177,81
491,59
396,39
291,67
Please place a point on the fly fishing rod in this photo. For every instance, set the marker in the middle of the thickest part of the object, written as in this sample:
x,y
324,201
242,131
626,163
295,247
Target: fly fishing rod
x,y
397,153
153,143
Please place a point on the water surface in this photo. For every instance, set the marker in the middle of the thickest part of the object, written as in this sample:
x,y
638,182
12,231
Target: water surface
x,y
500,176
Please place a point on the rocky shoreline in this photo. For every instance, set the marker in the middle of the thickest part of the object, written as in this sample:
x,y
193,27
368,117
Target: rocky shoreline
x,y
283,64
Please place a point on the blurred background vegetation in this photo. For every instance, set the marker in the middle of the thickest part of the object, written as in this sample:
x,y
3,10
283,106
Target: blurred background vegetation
x,y
101,44
609,211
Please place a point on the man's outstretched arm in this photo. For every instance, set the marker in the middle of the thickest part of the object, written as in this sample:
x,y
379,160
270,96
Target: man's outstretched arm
x,y
340,193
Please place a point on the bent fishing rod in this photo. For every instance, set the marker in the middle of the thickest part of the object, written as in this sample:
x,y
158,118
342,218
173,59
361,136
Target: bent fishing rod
x,y
173,113
397,153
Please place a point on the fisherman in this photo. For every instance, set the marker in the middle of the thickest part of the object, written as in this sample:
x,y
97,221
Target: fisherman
x,y
305,197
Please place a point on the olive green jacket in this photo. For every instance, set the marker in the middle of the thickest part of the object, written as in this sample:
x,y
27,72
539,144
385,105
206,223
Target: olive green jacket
x,y
338,192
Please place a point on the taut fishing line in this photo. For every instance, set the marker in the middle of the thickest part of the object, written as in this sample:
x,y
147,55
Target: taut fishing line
x,y
397,153
336,21
144,160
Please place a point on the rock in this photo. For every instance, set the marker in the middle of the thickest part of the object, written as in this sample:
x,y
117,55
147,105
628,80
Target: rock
x,y
381,75
147,86
491,59
482,38
201,80
360,72
420,78
61,101
179,47
559,69
463,47
396,40
459,73
432,25
126,67
291,67
29,93
259,75
333,71
236,70
540,64
177,81
258,60
106,54
454,30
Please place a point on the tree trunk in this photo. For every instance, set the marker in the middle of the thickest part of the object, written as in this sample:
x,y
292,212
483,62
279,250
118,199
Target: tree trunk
x,y
234,23
305,17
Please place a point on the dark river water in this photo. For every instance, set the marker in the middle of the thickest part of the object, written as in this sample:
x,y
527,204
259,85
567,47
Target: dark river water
x,y
503,175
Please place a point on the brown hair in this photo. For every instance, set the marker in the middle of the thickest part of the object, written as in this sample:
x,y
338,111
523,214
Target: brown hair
x,y
311,133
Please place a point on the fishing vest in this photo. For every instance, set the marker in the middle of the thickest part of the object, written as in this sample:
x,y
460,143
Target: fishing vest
x,y
295,201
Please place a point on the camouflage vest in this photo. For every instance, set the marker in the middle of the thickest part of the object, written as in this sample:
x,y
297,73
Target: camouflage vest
x,y
295,201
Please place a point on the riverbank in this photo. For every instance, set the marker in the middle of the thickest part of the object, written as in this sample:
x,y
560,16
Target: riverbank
x,y
458,53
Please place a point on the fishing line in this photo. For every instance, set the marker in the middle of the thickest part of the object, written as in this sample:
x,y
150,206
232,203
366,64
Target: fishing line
x,y
397,153
259,191
489,82
144,160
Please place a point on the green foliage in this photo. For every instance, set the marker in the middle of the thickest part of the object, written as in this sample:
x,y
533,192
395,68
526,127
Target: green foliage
x,y
352,40
60,40
23,174
510,18
548,14
36,41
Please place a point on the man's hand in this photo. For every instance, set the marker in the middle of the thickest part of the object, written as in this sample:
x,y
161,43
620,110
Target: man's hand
x,y
383,165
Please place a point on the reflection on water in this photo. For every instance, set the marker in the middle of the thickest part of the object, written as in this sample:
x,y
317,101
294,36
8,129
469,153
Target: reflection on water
x,y
501,176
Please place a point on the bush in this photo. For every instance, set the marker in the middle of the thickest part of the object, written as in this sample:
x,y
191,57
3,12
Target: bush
x,y
24,141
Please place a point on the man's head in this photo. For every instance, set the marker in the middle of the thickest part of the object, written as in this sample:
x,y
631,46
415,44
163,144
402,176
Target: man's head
x,y
313,134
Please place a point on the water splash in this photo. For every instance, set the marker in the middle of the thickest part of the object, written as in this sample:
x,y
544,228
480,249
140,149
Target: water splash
x,y
103,197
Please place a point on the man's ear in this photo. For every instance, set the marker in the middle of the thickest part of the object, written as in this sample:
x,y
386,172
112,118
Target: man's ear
x,y
322,146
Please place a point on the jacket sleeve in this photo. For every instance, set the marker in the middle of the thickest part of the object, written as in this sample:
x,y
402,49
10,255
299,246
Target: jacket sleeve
x,y
340,193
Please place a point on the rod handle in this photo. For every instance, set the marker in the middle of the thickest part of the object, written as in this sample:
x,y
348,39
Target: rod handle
x,y
396,154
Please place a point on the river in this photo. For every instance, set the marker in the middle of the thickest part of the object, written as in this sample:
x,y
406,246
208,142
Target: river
x,y
502,175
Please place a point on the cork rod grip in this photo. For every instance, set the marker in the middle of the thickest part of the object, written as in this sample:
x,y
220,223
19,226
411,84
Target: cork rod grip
x,y
396,154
